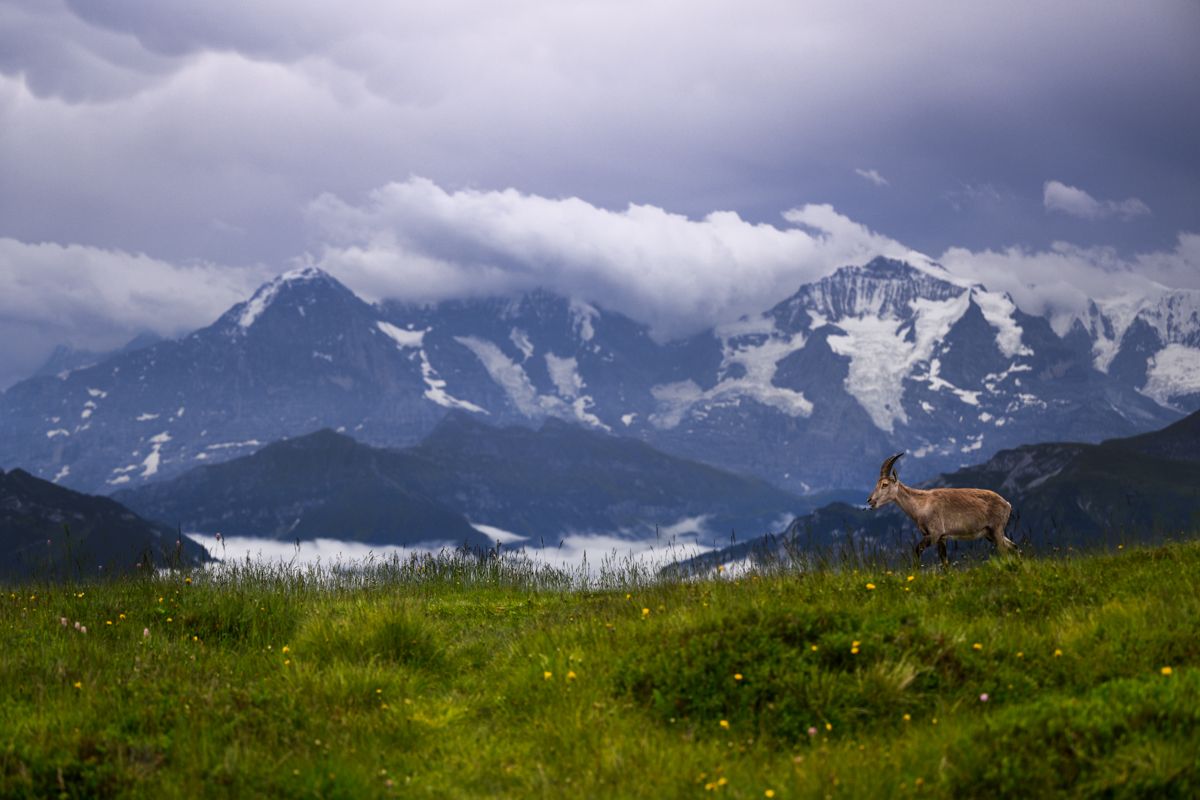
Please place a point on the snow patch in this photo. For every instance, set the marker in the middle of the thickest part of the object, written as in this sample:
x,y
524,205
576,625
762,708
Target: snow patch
x,y
97,393
564,372
627,419
1172,372
937,383
583,318
758,350
884,350
402,337
520,340
257,304
151,462
436,389
145,417
999,311
118,480
512,378
323,356
62,473
57,432
1174,314
228,445
435,386
253,308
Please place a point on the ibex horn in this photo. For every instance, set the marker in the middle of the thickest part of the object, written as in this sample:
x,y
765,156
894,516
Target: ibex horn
x,y
887,465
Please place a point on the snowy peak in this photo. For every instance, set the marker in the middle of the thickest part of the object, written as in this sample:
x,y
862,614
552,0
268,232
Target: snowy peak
x,y
1152,341
295,292
881,288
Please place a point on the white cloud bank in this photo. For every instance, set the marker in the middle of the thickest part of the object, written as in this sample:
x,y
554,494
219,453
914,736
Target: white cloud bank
x,y
1058,196
98,299
416,240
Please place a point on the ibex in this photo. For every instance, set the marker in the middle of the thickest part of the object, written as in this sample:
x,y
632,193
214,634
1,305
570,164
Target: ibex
x,y
942,514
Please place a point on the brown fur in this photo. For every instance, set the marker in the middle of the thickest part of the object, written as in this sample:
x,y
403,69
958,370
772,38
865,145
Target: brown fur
x,y
942,514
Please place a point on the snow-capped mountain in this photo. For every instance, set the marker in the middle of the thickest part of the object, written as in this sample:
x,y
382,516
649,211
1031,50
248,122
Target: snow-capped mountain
x,y
1152,343
810,394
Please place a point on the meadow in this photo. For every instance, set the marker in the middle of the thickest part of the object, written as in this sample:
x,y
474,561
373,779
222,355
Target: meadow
x,y
457,677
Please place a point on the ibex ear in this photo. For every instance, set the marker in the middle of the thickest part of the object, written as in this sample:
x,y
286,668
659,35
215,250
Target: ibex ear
x,y
894,476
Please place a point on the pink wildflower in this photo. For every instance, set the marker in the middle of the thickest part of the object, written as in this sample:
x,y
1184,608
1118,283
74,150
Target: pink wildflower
x,y
983,698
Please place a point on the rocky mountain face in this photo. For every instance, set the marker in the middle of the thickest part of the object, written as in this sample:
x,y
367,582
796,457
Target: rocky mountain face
x,y
808,395
48,531
1142,487
539,485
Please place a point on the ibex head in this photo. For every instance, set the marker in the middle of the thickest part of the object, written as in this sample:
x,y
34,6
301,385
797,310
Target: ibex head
x,y
889,482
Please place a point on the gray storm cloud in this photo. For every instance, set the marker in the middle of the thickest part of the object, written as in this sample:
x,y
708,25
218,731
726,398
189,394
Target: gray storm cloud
x,y
202,130
653,146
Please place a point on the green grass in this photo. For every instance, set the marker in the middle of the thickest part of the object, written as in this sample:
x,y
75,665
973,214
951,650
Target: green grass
x,y
457,678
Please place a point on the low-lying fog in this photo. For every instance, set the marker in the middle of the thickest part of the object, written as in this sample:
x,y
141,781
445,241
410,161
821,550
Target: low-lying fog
x,y
572,551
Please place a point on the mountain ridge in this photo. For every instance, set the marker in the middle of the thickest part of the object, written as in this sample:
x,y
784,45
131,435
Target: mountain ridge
x,y
540,485
871,359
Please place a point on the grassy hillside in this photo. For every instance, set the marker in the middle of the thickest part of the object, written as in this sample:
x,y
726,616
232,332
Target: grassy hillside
x,y
455,678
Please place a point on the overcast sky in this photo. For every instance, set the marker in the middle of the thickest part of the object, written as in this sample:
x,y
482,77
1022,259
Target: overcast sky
x,y
684,162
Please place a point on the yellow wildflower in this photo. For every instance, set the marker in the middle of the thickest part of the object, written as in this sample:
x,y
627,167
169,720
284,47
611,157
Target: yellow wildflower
x,y
1057,652
725,724
977,646
870,587
78,684
912,578
547,675
769,793
908,717
645,612
1166,670
286,649
737,676
571,675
